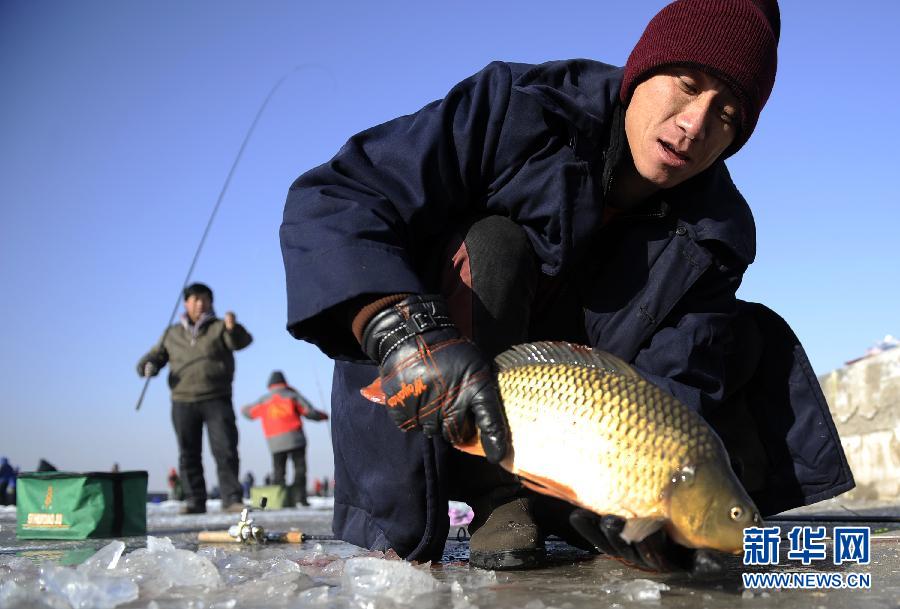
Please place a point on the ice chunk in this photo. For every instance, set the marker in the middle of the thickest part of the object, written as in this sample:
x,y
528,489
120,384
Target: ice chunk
x,y
460,599
105,558
269,590
748,594
642,590
161,566
283,569
159,544
315,596
317,562
477,578
88,591
29,596
397,580
10,593
17,569
237,569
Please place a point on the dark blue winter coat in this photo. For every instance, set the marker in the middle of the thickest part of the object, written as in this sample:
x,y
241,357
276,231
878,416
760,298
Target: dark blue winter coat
x,y
7,473
529,142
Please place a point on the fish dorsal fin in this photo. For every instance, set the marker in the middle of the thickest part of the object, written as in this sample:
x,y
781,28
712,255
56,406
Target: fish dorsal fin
x,y
558,352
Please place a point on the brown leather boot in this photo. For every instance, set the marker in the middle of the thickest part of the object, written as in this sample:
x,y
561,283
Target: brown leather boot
x,y
508,539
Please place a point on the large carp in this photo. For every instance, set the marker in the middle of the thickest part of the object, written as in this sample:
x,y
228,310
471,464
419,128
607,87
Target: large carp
x,y
587,428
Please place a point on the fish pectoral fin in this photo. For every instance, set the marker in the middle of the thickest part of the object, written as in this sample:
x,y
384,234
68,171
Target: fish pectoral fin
x,y
546,486
638,529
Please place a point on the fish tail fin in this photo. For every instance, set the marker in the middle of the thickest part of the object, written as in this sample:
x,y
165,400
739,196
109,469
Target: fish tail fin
x,y
472,446
374,392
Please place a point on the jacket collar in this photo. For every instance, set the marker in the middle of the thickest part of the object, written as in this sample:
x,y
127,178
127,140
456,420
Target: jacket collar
x,y
586,94
194,328
713,208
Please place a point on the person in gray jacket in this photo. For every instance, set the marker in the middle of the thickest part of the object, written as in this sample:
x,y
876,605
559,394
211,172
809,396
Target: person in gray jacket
x,y
199,350
281,409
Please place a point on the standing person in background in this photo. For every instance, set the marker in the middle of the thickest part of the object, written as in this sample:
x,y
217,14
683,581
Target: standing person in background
x,y
281,409
247,483
200,353
11,489
7,479
176,491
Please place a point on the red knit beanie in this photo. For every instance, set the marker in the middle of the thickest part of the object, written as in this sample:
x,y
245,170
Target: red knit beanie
x,y
733,40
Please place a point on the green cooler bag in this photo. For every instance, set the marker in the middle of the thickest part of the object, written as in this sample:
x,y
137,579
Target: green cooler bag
x,y
67,505
277,496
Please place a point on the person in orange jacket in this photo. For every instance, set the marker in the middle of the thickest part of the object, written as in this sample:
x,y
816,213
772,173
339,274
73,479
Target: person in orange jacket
x,y
281,409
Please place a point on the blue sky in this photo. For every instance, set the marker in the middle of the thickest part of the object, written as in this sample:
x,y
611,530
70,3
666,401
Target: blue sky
x,y
120,120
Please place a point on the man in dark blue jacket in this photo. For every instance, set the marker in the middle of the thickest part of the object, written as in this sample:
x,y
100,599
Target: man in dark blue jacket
x,y
568,200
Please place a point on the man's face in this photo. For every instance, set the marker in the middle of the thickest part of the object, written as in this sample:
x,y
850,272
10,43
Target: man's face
x,y
196,305
678,123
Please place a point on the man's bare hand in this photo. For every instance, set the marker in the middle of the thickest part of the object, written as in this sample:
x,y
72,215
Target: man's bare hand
x,y
229,320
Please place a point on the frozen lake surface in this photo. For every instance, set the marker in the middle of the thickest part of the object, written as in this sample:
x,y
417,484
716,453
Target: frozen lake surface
x,y
169,569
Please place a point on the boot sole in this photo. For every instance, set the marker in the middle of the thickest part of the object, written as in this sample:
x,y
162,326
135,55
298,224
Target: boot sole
x,y
508,560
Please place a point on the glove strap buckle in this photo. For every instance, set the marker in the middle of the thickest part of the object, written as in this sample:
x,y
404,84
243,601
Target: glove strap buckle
x,y
420,322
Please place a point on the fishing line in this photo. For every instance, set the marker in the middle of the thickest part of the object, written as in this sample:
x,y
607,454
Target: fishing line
x,y
322,401
874,518
212,216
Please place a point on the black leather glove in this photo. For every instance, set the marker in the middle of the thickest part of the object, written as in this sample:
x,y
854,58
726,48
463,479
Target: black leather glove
x,y
433,378
656,552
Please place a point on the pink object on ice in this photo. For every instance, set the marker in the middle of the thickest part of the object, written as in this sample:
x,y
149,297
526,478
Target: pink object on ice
x,y
461,518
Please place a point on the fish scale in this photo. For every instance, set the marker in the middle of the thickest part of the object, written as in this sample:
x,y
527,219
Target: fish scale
x,y
589,424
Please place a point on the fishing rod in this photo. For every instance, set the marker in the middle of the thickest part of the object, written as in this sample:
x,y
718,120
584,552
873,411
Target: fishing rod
x,y
245,532
212,216
265,537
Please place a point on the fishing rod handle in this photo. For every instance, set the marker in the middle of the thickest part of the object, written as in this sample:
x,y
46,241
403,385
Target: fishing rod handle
x,y
216,537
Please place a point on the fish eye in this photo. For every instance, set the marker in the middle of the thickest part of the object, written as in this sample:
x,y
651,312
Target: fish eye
x,y
736,512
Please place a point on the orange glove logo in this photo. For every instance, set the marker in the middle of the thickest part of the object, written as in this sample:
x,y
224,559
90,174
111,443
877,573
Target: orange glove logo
x,y
417,388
